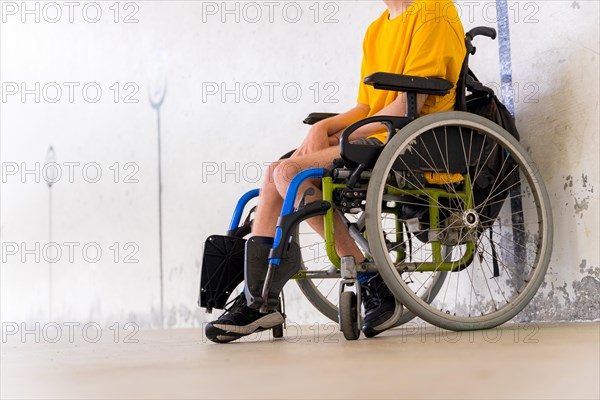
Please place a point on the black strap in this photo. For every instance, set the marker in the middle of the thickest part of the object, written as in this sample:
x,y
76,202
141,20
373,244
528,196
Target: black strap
x,y
494,255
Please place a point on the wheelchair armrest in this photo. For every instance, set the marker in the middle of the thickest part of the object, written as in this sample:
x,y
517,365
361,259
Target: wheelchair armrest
x,y
407,83
355,154
313,118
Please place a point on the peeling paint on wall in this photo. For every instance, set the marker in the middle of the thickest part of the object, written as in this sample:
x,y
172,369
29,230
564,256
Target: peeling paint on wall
x,y
581,191
577,301
592,271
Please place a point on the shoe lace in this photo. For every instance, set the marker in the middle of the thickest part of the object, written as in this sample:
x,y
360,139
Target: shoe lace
x,y
235,304
371,297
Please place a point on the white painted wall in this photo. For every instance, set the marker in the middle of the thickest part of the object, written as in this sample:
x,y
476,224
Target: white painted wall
x,y
555,53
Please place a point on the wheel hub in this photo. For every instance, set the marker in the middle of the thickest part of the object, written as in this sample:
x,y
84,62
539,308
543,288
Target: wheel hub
x,y
471,218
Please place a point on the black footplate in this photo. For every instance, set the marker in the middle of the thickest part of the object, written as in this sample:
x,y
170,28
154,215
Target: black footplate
x,y
222,270
255,270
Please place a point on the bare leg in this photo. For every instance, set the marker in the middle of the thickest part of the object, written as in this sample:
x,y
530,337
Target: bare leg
x,y
269,206
285,172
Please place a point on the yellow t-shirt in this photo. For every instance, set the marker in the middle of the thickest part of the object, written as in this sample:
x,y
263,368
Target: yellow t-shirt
x,y
426,40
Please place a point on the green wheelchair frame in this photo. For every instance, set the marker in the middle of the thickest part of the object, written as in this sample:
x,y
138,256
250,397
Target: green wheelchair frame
x,y
434,194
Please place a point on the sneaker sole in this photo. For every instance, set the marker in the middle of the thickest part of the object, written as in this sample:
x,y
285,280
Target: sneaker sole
x,y
370,332
222,333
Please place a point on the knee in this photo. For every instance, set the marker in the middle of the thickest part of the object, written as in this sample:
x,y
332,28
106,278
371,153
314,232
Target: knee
x,y
283,175
268,183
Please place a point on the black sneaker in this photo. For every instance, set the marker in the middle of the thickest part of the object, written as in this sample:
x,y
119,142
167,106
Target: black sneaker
x,y
240,320
382,310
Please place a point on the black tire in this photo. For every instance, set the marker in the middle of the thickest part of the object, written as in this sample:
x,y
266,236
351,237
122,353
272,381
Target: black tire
x,y
348,316
278,331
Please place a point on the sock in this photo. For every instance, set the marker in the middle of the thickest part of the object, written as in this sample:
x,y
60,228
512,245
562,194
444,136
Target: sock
x,y
363,277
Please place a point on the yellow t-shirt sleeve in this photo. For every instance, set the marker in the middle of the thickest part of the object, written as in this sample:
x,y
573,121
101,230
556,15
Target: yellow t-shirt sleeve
x,y
363,93
431,50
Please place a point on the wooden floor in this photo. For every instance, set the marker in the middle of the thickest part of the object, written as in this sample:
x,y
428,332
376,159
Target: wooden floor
x,y
526,361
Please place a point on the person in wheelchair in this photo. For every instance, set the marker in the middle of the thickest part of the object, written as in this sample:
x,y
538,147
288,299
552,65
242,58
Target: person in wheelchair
x,y
411,37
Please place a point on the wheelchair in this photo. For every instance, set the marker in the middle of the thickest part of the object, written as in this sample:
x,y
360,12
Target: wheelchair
x,y
451,211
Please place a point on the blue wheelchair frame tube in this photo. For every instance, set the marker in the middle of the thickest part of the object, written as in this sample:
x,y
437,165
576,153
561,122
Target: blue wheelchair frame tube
x,y
290,200
239,208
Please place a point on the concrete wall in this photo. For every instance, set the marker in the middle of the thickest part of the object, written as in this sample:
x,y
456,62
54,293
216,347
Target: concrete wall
x,y
236,86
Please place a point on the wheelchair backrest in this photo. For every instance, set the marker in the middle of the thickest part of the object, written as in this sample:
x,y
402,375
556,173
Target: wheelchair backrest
x,y
443,149
467,80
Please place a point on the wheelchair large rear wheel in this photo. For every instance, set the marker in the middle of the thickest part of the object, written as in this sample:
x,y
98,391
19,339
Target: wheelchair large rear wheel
x,y
499,257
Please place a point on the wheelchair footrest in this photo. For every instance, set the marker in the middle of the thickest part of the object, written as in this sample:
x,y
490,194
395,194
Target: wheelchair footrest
x,y
255,270
222,270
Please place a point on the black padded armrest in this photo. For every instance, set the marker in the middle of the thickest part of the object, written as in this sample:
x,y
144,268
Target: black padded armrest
x,y
313,118
407,83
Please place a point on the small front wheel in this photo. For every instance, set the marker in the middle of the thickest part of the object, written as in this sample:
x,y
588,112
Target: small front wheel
x,y
278,330
349,316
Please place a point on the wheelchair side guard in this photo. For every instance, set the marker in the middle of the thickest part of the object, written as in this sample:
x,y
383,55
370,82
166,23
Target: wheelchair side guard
x,y
425,153
222,270
255,271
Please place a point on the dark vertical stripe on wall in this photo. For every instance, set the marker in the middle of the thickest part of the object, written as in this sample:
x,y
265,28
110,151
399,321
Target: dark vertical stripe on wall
x,y
507,93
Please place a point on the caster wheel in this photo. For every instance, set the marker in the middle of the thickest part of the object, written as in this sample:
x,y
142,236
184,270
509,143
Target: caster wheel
x,y
278,331
349,316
